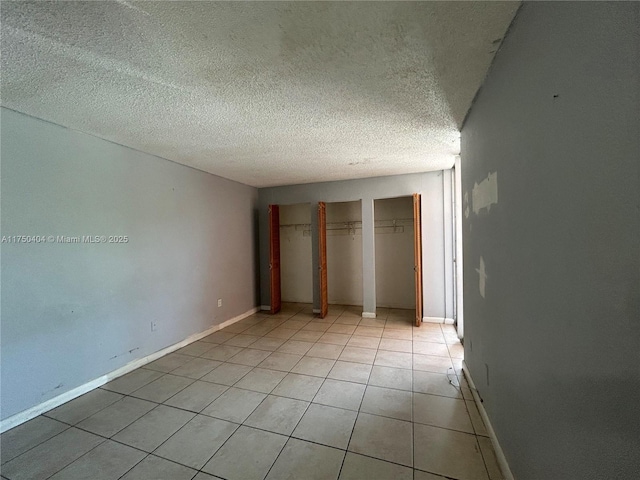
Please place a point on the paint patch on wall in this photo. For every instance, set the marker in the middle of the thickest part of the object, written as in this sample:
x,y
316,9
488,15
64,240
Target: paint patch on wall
x,y
482,273
466,205
485,193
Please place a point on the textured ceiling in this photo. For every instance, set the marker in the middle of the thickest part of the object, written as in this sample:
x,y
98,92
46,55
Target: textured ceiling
x,y
265,93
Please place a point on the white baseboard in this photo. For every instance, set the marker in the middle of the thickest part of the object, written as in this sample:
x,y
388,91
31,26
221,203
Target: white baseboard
x,y
502,460
52,403
265,307
448,321
368,314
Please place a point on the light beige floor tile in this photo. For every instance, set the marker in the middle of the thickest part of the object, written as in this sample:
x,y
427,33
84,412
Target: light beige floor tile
x,y
358,355
259,330
51,456
242,340
318,367
117,416
387,402
236,328
397,334
399,324
310,461
163,388
384,438
84,406
334,338
442,412
295,324
277,415
196,368
434,384
364,342
342,329
107,461
307,336
427,335
325,350
389,377
218,337
227,374
270,344
431,363
316,327
372,322
369,331
326,425
168,362
359,467
296,347
195,443
196,349
281,333
150,431
221,352
299,387
261,447
449,453
456,350
196,396
132,381
250,357
395,345
19,439
347,321
350,372
385,358
430,348
336,393
280,361
157,468
234,405
261,380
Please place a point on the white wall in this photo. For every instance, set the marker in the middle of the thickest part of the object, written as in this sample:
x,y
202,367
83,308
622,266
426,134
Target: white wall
x,y
344,254
74,312
395,281
295,253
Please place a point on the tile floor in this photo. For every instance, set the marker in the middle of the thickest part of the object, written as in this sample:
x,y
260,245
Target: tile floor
x,y
287,396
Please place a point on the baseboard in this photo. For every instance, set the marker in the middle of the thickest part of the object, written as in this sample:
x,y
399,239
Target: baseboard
x,y
502,460
448,321
368,314
265,307
52,403
316,310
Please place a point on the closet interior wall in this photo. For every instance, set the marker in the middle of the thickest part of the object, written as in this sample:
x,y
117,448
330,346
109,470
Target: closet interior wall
x,y
394,252
344,253
296,253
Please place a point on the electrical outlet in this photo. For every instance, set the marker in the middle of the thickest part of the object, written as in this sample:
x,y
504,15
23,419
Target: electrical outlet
x,y
154,326
219,302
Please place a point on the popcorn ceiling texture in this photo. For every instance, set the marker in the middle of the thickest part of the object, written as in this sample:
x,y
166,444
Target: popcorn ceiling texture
x,y
262,93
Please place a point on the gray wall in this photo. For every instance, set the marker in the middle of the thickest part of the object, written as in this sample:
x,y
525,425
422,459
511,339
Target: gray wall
x,y
73,312
554,345
438,293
